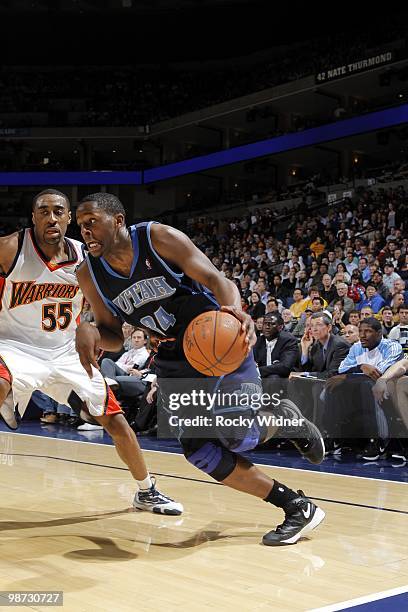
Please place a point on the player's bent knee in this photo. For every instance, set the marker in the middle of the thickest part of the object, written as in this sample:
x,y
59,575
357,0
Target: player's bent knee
x,y
215,460
116,426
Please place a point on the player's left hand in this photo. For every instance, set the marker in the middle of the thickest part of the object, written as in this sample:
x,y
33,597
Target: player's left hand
x,y
248,325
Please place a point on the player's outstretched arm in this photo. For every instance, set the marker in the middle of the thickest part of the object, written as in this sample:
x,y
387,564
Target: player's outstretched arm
x,y
177,248
107,334
8,251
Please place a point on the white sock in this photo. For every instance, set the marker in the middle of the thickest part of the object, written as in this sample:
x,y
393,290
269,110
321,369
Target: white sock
x,y
145,484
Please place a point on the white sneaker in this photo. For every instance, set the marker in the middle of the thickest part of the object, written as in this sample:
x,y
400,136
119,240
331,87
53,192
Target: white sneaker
x,y
9,413
89,427
154,501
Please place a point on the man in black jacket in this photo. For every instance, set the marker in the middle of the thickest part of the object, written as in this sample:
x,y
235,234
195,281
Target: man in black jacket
x,y
276,351
322,351
321,355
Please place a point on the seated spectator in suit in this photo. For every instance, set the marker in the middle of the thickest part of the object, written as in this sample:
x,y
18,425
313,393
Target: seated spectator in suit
x,y
322,351
321,355
350,407
374,299
276,351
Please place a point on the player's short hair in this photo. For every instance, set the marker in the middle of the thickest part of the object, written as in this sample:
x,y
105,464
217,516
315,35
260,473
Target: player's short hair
x,y
51,192
372,322
106,201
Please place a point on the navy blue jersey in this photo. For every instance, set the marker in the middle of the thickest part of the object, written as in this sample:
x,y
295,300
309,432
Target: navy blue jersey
x,y
156,296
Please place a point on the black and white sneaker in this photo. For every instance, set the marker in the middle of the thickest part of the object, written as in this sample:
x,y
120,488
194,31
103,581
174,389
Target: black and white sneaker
x,y
9,413
305,435
301,517
333,448
374,450
154,501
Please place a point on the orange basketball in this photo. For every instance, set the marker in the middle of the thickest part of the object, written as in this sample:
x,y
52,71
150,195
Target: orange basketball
x,y
214,343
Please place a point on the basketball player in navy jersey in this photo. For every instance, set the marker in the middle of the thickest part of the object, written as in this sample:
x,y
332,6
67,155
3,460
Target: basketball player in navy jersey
x,y
152,276
40,303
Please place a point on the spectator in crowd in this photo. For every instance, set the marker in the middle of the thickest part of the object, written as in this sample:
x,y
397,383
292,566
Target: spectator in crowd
x,y
364,269
126,373
272,305
327,291
373,299
387,320
276,351
350,333
366,312
339,315
313,293
396,301
257,308
350,407
354,317
296,308
348,304
288,319
399,287
356,290
321,351
258,326
390,276
399,333
377,281
321,355
303,323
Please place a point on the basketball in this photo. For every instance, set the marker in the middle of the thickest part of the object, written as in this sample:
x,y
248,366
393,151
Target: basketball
x,y
214,343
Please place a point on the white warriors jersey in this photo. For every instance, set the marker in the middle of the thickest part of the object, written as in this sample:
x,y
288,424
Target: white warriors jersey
x,y
40,303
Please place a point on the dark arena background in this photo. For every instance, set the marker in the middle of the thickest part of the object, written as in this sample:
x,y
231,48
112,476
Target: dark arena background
x,y
275,136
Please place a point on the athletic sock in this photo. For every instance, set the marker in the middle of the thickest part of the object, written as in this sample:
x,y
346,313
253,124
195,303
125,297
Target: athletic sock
x,y
280,495
145,484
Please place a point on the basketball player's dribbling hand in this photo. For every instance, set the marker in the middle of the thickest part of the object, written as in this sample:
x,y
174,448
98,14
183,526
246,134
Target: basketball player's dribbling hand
x,y
248,325
87,344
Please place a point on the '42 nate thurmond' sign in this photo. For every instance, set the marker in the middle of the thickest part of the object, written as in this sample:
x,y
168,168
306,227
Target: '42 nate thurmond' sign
x,y
337,72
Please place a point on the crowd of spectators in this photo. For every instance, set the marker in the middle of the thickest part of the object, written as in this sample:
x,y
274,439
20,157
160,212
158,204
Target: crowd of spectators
x,y
329,275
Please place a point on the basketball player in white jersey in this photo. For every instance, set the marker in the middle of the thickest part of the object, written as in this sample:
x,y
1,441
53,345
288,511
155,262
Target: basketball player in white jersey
x,y
40,305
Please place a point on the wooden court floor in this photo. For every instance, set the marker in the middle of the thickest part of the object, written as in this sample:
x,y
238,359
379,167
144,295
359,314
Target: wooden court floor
x,y
67,524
